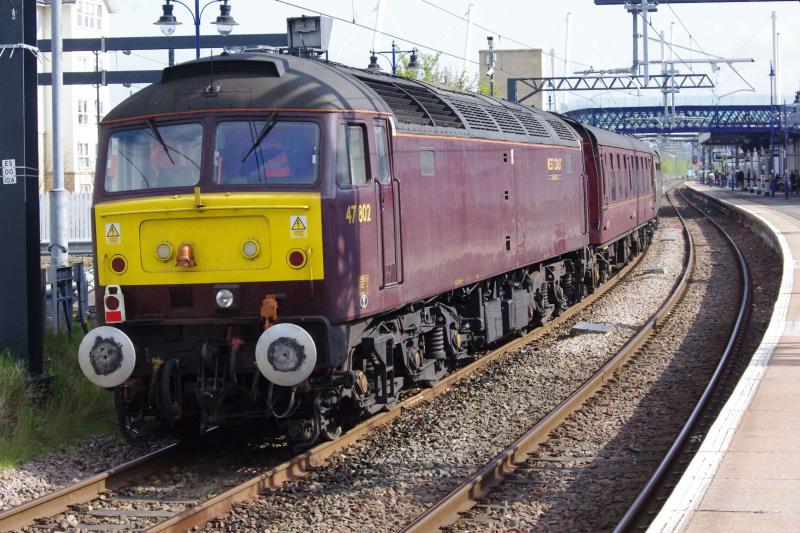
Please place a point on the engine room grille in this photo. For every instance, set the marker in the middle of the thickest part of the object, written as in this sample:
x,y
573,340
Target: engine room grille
x,y
561,129
507,122
532,124
477,118
414,104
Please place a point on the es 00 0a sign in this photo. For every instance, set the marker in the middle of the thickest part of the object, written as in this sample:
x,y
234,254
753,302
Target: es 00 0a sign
x,y
9,171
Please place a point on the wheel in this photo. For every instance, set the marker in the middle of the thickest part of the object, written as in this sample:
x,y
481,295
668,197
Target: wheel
x,y
137,428
331,431
592,281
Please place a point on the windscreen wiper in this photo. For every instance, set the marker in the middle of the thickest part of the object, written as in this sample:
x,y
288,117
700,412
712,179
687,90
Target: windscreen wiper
x,y
160,139
260,137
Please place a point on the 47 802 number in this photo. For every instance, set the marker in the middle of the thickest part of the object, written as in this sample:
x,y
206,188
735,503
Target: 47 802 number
x,y
358,213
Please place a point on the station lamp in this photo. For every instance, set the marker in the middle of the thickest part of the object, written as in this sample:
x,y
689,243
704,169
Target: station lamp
x,y
413,62
373,63
225,21
167,22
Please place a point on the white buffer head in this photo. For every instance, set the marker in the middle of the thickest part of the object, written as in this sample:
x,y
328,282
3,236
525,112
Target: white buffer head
x,y
106,356
286,354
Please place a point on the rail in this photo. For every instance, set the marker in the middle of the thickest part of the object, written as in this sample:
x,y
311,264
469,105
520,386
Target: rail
x,y
86,490
446,511
634,511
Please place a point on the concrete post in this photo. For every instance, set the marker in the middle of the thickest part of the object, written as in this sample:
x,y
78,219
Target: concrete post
x,y
59,219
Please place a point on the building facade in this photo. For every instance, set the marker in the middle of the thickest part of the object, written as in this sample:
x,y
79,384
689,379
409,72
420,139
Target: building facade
x,y
83,106
526,63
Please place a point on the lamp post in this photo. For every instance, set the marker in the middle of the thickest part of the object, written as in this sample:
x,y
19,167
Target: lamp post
x,y
490,64
167,22
413,64
771,160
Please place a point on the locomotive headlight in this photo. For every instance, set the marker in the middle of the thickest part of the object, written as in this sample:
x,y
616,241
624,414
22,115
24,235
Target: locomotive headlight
x,y
250,249
224,298
164,251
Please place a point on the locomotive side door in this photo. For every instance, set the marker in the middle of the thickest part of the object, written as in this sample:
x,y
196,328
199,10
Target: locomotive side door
x,y
388,199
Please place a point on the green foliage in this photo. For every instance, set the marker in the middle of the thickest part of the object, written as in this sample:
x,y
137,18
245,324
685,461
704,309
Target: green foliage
x,y
37,419
674,166
14,394
429,71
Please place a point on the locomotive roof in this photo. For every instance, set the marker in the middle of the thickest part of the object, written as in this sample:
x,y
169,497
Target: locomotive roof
x,y
617,140
254,80
250,81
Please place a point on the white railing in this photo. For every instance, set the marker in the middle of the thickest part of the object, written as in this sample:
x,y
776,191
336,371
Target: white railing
x,y
79,207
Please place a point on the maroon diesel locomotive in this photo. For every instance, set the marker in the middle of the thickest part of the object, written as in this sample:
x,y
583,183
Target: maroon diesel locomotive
x,y
295,241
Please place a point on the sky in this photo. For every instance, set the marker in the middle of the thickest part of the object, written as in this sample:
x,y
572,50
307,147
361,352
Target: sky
x,y
599,37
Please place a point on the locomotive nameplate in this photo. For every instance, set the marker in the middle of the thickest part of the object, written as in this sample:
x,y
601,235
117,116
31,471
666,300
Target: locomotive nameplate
x,y
554,164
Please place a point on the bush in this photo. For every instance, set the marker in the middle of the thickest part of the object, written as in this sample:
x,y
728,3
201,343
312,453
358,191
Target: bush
x,y
38,419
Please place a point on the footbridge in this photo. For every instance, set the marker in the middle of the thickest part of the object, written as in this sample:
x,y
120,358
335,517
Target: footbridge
x,y
725,124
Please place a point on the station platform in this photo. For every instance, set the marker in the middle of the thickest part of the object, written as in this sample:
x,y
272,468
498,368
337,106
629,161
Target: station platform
x,y
746,476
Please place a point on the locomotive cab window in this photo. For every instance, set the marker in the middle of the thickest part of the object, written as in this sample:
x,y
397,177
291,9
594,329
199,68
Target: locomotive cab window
x,y
251,152
382,154
351,155
154,157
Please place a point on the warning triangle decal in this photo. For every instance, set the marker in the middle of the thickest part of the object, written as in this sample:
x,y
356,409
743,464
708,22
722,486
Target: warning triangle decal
x,y
298,225
112,231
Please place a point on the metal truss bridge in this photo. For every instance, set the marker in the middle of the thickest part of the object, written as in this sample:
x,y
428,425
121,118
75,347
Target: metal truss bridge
x,y
731,119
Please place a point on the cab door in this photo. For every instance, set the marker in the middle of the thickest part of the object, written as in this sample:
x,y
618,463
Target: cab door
x,y
388,200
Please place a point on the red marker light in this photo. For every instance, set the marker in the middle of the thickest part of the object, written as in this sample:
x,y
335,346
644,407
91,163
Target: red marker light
x,y
297,258
114,302
118,264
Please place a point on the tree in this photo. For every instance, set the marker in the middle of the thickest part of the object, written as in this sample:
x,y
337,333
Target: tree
x,y
429,71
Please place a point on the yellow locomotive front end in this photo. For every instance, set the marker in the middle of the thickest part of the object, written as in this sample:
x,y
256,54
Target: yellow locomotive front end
x,y
200,238
206,230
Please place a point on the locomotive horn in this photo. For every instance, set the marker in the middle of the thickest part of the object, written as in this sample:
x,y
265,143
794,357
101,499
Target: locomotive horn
x,y
106,356
286,354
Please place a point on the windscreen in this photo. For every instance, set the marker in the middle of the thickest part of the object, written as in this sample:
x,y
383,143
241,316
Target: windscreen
x,y
154,157
266,152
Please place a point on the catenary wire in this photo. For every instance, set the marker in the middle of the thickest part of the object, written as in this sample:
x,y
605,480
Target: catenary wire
x,y
399,38
440,8
427,47
691,37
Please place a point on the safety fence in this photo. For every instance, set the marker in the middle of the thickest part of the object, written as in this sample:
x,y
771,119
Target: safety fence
x,y
79,215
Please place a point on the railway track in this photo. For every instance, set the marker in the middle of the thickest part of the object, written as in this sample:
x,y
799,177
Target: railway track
x,y
721,384
73,505
518,472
